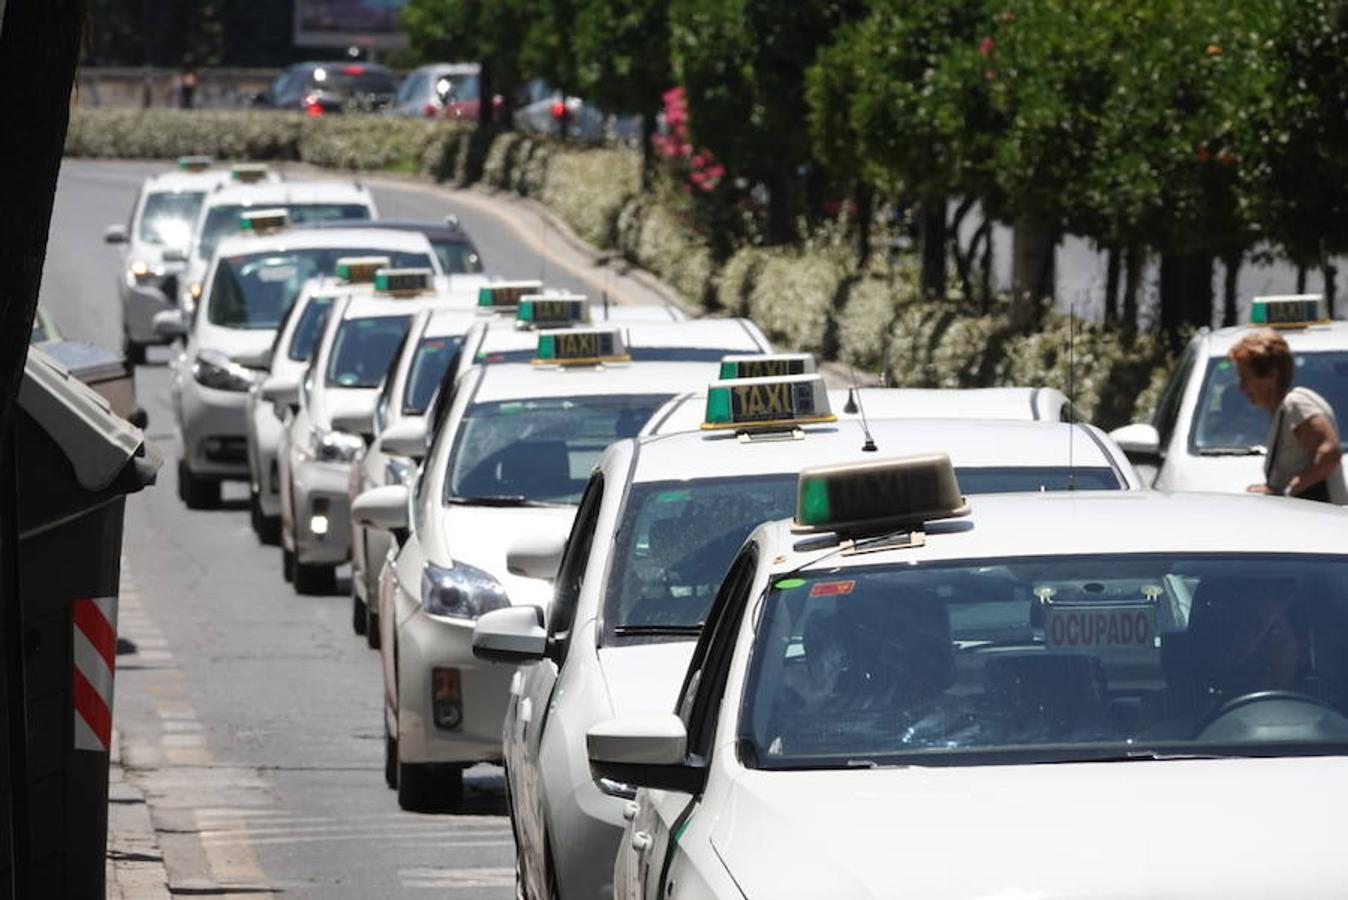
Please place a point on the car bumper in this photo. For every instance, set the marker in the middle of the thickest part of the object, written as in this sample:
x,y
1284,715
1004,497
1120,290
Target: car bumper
x,y
321,512
426,643
214,430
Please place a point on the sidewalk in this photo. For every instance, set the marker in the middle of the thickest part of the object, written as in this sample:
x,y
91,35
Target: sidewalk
x,y
135,862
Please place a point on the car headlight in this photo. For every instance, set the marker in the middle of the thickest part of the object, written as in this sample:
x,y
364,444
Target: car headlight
x,y
334,446
460,590
213,369
398,471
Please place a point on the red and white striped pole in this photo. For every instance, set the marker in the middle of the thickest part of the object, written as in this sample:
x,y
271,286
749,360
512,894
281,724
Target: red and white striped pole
x,y
95,656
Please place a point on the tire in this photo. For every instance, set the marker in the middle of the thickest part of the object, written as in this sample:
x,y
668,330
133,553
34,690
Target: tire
x,y
390,760
195,491
358,615
134,352
433,787
267,528
287,565
315,579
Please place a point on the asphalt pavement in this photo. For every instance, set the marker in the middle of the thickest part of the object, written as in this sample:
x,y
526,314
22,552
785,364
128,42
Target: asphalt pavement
x,y
249,716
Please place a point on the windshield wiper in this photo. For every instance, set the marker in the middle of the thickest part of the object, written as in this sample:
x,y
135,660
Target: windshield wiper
x,y
1230,451
507,501
658,630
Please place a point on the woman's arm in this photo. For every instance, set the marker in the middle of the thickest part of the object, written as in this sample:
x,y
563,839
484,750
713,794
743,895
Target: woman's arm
x,y
1321,443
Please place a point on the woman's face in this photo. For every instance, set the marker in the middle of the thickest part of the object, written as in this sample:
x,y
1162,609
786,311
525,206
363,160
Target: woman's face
x,y
1262,391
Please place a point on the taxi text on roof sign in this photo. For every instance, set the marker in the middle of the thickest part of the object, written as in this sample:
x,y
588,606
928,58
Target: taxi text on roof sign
x,y
248,173
552,310
506,294
1291,311
580,347
767,365
361,269
258,221
877,497
402,281
195,163
755,403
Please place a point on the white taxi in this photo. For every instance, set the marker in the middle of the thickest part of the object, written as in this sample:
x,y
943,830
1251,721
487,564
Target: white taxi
x,y
657,528
253,280
432,344
903,692
156,243
325,431
503,474
1204,434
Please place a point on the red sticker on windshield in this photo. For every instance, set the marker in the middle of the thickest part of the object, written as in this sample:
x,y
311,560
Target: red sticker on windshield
x,y
832,588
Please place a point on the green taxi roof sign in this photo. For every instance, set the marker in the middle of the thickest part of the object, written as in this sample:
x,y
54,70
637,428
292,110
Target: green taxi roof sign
x,y
248,173
767,403
878,497
767,365
505,294
1288,311
552,311
360,269
260,221
581,347
403,282
195,163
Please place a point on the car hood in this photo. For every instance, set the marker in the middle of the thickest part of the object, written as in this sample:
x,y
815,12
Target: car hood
x,y
481,536
644,677
334,401
1230,829
244,346
1223,474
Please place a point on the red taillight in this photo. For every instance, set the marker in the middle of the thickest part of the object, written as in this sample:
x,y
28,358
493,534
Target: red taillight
x,y
353,70
429,110
313,107
558,109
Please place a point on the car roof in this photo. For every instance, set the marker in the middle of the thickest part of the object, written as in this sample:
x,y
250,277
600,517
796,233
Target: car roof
x,y
970,444
331,63
730,335
441,230
177,181
366,304
1310,339
304,239
450,68
449,322
519,381
1065,523
282,193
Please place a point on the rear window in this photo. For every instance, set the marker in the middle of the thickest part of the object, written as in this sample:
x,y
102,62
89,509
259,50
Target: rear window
x,y
352,80
222,221
457,257
362,350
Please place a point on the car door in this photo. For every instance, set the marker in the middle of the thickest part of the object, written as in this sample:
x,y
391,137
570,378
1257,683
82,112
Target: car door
x,y
531,690
661,815
1173,439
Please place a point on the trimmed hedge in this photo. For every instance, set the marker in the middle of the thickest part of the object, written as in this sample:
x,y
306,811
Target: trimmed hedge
x,y
813,297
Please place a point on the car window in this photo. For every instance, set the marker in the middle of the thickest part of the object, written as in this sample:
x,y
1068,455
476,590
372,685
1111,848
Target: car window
x,y
168,217
363,349
575,562
223,220
704,684
308,328
1225,420
430,361
1054,659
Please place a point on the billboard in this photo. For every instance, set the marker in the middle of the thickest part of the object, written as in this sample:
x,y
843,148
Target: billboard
x,y
346,23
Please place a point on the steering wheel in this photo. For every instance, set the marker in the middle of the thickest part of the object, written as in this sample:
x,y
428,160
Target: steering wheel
x,y
1272,716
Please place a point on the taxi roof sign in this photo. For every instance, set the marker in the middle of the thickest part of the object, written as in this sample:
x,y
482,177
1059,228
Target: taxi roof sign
x,y
360,269
767,403
403,282
258,221
581,347
195,163
767,365
878,497
505,294
1288,311
552,310
248,173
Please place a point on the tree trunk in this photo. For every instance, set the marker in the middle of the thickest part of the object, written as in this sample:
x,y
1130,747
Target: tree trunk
x,y
1032,268
1132,280
1186,291
486,94
1113,270
647,150
932,235
864,196
1301,278
780,230
1331,286
1230,286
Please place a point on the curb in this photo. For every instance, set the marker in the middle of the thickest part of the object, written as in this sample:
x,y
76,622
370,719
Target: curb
x,y
135,867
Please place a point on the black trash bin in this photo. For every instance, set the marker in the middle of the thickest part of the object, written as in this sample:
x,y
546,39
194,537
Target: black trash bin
x,y
77,460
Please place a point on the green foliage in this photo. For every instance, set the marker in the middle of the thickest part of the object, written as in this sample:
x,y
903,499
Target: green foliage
x,y
866,318
792,298
622,53
588,190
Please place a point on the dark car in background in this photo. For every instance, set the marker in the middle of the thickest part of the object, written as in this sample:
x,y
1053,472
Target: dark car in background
x,y
439,91
541,108
458,255
322,88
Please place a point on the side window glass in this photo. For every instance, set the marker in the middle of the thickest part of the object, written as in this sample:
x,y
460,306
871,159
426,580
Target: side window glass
x,y
700,697
571,574
1167,410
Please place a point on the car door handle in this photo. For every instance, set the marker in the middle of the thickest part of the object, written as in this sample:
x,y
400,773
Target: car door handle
x,y
641,841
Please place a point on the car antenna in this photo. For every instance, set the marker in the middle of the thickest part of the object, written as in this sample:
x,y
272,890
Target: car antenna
x,y
854,394
1071,394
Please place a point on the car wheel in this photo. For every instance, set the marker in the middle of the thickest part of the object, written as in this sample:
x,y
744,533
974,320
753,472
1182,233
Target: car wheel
x,y
429,787
134,352
287,564
315,579
195,491
390,759
267,528
358,618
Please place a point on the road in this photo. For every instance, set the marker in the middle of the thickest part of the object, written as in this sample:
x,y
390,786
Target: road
x,y
248,714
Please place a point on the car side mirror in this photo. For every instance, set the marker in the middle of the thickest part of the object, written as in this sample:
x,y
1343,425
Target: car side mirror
x,y
174,255
514,635
114,234
538,556
281,393
647,750
355,421
407,437
169,323
1139,441
383,507
258,360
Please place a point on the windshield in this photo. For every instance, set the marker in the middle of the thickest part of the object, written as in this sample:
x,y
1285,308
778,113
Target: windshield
x,y
362,350
457,257
1224,420
352,80
1050,659
677,539
222,221
308,328
539,450
255,290
167,218
432,359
